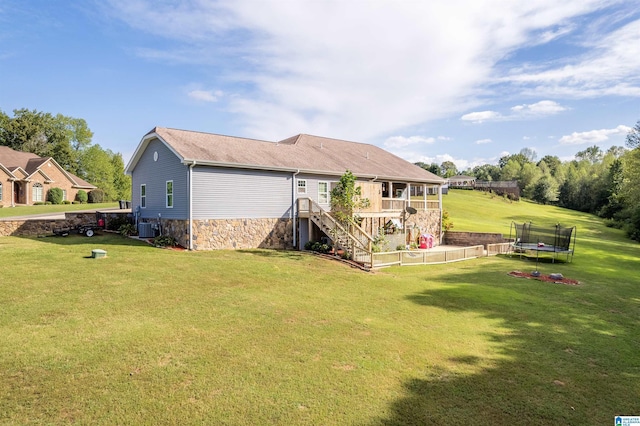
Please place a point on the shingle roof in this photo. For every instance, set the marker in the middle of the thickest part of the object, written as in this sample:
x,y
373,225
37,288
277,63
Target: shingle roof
x,y
311,154
30,163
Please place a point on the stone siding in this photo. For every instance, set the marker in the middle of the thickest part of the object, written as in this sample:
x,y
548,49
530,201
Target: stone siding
x,y
214,234
465,239
35,227
425,222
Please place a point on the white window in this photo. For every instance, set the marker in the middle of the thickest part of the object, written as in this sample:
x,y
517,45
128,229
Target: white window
x,y
37,193
143,196
0,191
64,194
323,192
169,194
302,186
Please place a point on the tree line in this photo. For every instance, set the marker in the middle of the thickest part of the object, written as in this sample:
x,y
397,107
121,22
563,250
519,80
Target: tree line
x,y
68,141
605,183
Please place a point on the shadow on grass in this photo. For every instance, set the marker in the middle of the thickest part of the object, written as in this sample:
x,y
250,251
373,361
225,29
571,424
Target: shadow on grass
x,y
280,254
99,238
566,357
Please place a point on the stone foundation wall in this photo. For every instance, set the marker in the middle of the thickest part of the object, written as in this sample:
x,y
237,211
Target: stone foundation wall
x,y
35,227
215,234
455,238
425,222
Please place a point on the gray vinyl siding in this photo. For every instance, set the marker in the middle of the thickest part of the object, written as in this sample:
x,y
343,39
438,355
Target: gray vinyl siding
x,y
225,193
312,186
155,174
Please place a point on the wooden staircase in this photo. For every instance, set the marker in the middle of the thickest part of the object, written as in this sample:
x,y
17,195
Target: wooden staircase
x,y
353,239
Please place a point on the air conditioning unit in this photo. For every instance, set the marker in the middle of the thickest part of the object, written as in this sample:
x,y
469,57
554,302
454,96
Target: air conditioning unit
x,y
145,230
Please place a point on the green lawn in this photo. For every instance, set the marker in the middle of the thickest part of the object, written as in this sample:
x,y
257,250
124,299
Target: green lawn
x,y
152,336
29,210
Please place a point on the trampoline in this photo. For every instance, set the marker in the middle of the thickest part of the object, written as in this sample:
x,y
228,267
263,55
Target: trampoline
x,y
556,240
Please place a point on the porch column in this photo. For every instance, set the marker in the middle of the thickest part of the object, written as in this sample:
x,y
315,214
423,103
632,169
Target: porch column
x,y
440,206
424,195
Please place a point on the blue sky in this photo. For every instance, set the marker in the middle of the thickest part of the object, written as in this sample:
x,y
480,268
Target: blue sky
x,y
457,80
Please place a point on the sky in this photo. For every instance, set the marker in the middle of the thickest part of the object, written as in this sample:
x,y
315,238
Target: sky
x,y
467,81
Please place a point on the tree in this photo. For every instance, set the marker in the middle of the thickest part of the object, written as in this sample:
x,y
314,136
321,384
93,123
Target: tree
x,y
633,137
97,168
433,168
486,172
43,134
346,198
593,154
121,182
448,169
552,162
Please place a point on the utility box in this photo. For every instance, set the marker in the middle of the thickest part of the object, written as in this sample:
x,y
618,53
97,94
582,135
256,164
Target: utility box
x,y
145,230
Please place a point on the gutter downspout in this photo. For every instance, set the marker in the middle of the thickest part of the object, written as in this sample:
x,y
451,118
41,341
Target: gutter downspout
x,y
294,203
191,204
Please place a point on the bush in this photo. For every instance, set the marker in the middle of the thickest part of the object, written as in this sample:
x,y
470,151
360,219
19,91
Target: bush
x,y
96,196
317,246
115,223
127,230
55,195
38,203
66,202
82,197
164,241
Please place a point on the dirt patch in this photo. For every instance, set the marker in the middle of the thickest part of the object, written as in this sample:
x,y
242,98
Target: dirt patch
x,y
543,277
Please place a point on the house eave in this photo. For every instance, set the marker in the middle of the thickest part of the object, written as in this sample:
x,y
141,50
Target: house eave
x,y
190,161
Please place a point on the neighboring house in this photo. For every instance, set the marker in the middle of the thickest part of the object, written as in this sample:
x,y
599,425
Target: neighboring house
x,y
220,192
461,181
25,178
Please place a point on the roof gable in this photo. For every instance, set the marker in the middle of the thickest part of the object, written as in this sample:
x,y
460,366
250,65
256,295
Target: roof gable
x,y
305,153
24,165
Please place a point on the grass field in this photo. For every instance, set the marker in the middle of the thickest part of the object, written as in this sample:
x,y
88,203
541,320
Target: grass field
x,y
29,210
152,336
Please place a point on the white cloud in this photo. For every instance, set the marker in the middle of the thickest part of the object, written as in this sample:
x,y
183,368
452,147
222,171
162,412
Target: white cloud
x,y
205,95
483,141
610,66
593,136
482,116
402,141
331,68
518,112
541,108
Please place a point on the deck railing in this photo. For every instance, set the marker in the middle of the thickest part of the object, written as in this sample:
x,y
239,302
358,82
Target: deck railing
x,y
353,238
399,204
425,257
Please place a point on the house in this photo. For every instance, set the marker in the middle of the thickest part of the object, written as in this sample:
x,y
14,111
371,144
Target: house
x,y
461,181
25,178
219,192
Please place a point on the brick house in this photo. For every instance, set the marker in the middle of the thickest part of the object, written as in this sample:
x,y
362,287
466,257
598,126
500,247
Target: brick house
x,y
25,178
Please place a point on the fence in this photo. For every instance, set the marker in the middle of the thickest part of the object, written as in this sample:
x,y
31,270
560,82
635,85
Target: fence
x,y
426,257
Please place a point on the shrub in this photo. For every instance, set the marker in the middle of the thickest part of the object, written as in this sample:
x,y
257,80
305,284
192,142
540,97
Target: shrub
x,y
115,223
66,202
82,197
164,241
38,203
96,196
55,195
127,229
